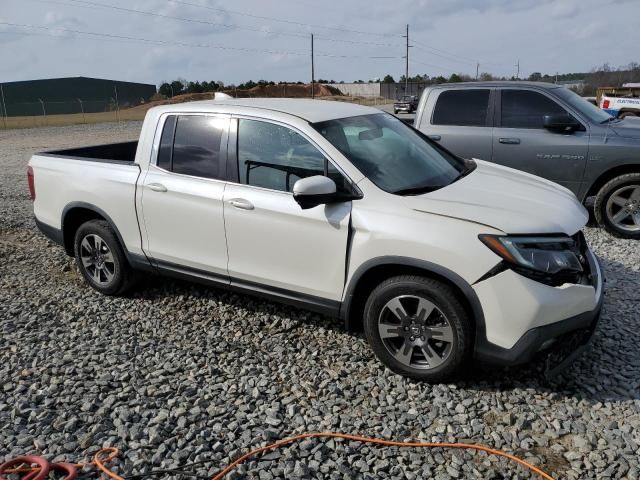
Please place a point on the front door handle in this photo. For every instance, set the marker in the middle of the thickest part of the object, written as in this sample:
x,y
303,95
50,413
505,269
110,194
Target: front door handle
x,y
435,138
509,141
157,187
241,203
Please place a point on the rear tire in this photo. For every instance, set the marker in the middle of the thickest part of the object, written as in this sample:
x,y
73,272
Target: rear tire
x,y
418,328
101,259
617,206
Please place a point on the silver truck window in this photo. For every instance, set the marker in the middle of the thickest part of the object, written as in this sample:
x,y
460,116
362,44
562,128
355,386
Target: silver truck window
x,y
464,108
526,109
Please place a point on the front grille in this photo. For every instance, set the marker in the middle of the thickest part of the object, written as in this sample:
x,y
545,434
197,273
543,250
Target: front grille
x,y
581,249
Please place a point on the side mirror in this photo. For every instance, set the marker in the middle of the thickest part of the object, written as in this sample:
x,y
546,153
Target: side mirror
x,y
561,123
313,191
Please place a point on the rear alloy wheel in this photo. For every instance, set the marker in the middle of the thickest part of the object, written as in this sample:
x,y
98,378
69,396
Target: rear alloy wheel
x,y
101,259
617,206
418,328
97,259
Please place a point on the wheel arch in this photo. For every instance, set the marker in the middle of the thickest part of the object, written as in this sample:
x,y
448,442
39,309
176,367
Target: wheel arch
x,y
75,214
372,272
609,175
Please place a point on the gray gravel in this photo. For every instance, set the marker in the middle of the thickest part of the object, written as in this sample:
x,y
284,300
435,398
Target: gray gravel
x,y
178,373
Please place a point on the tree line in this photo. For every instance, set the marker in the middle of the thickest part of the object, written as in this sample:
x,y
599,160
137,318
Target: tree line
x,y
604,75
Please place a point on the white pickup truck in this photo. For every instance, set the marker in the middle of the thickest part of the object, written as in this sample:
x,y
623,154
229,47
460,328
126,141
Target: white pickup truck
x,y
337,208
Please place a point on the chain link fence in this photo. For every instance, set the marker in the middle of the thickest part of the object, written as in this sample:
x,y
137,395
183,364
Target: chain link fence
x,y
86,111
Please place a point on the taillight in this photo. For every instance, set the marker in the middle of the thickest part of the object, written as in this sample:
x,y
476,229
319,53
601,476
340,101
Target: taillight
x,y
31,182
606,104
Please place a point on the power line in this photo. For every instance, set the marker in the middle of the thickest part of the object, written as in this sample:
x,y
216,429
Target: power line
x,y
292,22
185,19
181,44
431,65
298,34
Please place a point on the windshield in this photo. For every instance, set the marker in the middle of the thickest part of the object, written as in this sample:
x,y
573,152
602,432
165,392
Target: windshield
x,y
406,98
587,109
395,157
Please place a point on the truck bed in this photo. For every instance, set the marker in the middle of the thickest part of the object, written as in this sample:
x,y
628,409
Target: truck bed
x,y
123,152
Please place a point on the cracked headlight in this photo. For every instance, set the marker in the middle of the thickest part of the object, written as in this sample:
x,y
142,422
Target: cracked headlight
x,y
551,259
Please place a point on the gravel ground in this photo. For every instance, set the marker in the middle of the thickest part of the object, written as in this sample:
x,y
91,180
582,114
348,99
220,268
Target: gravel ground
x,y
179,373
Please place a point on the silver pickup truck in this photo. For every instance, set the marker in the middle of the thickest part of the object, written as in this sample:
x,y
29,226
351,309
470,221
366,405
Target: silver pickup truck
x,y
546,130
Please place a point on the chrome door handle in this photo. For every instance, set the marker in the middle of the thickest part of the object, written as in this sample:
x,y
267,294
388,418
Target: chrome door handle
x,y
509,141
241,203
435,138
157,187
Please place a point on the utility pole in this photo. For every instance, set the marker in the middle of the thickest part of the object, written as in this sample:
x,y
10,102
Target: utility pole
x,y
556,77
406,66
477,70
4,107
115,89
518,70
313,78
82,110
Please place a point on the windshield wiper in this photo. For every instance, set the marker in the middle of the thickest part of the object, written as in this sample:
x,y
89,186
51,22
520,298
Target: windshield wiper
x,y
609,120
418,190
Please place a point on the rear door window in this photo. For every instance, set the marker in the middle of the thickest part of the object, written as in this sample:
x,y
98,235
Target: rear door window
x,y
526,109
465,108
191,145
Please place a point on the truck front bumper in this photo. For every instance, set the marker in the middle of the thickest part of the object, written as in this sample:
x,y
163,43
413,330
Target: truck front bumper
x,y
539,312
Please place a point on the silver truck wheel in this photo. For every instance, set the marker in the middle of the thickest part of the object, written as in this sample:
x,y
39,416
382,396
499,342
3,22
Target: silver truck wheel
x,y
617,206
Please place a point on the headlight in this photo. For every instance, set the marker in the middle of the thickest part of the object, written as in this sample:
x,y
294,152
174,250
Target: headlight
x,y
551,259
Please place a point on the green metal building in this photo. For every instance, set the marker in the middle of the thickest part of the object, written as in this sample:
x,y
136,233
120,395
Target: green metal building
x,y
54,96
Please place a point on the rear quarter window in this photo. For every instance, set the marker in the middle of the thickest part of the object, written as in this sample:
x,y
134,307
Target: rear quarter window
x,y
465,108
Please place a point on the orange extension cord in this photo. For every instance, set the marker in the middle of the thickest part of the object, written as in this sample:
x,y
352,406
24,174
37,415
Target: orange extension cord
x,y
105,455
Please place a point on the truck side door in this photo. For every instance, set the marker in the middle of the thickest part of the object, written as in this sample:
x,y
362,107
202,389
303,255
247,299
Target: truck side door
x,y
460,120
520,140
182,218
272,242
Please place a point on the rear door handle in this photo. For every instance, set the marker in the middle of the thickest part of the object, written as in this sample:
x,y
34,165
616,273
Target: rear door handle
x,y
157,187
435,138
509,141
241,203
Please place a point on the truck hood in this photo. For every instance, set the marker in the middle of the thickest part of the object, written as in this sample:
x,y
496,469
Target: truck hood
x,y
506,199
628,127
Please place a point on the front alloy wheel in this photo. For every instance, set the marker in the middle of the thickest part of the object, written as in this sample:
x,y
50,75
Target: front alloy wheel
x,y
415,332
617,206
623,208
418,327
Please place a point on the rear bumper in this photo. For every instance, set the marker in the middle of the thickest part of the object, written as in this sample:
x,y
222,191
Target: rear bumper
x,y
52,233
562,341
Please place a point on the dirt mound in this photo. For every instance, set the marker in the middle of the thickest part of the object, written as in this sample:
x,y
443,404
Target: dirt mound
x,y
292,90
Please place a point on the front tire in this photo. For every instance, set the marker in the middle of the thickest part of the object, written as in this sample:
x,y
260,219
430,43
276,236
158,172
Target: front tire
x,y
101,260
617,206
418,328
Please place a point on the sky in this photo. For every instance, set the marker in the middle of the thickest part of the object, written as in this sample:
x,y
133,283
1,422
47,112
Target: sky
x,y
153,41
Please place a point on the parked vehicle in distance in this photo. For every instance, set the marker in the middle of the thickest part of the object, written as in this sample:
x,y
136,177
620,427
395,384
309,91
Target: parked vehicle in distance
x,y
619,102
546,130
337,208
406,104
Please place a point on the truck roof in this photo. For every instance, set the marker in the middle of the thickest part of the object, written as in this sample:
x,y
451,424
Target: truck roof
x,y
501,83
310,110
